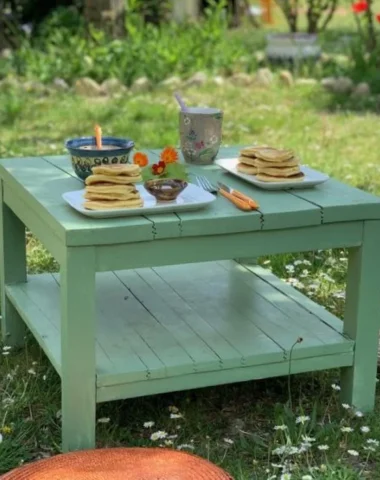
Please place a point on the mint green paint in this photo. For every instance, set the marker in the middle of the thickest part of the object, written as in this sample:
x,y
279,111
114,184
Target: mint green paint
x,y
171,310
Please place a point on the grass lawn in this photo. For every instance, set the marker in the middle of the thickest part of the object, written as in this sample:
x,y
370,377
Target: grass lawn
x,y
231,425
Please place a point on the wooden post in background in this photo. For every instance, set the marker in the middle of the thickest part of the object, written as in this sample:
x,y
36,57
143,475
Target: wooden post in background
x,y
267,16
108,15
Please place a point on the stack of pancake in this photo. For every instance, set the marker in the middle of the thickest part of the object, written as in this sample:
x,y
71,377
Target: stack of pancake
x,y
270,164
113,187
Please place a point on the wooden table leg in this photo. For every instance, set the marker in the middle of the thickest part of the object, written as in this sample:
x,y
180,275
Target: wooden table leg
x,y
78,330
13,270
362,319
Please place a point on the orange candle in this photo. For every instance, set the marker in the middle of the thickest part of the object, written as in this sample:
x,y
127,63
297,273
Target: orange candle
x,y
98,137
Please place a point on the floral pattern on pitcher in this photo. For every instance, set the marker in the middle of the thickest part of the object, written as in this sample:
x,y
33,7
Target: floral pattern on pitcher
x,y
200,137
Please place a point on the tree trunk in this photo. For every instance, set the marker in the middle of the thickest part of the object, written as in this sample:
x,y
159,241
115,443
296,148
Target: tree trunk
x,y
108,15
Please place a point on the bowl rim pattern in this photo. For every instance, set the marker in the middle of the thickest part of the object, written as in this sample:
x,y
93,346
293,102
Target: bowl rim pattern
x,y
73,146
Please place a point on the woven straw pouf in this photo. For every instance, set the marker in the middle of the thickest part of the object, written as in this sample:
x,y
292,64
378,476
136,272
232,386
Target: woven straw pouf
x,y
120,464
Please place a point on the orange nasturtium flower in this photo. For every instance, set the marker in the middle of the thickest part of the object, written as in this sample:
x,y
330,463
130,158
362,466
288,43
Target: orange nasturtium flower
x,y
169,155
140,159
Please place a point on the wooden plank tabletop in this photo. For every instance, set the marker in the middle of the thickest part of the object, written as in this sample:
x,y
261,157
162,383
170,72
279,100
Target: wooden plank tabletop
x,y
39,182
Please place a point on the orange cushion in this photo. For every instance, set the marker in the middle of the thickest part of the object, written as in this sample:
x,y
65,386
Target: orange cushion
x,y
120,464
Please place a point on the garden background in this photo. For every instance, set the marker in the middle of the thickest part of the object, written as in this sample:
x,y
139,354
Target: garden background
x,y
60,75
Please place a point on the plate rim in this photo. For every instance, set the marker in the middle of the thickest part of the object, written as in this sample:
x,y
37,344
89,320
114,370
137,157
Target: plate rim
x,y
129,212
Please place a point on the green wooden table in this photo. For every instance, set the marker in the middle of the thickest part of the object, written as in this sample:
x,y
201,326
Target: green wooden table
x,y
170,308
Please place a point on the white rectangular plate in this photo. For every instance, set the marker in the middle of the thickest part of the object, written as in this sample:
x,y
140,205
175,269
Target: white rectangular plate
x,y
192,198
312,177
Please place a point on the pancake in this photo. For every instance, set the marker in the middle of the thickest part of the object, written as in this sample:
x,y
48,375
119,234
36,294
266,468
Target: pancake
x,y
287,163
112,196
112,204
298,177
274,155
279,171
113,179
268,154
247,169
117,169
250,151
110,188
248,160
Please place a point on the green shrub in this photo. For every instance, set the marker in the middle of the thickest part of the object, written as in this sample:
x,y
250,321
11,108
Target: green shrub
x,y
148,50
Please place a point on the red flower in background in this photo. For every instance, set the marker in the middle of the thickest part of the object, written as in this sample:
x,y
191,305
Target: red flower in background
x,y
158,168
378,17
360,6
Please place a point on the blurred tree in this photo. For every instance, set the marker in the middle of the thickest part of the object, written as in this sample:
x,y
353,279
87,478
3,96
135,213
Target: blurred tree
x,y
106,14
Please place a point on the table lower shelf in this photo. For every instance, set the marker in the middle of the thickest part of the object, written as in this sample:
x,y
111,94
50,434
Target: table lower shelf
x,y
188,326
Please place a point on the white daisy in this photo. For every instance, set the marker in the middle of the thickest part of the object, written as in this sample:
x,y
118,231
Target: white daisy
x,y
346,429
323,448
353,453
280,427
158,435
302,419
148,424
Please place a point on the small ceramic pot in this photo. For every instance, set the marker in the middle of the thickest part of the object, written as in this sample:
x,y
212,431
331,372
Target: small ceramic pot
x,y
85,155
200,134
165,189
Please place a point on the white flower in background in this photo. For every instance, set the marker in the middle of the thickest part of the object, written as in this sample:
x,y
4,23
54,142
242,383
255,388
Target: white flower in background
x,y
168,443
279,450
104,420
370,449
365,429
185,446
307,439
302,419
359,414
229,441
306,477
7,348
323,448
286,476
160,435
5,354
148,424
346,429
353,453
372,441
280,427
277,465
346,406
175,416
31,371
335,387
289,268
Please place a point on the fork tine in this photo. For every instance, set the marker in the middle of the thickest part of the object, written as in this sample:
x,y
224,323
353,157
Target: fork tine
x,y
204,183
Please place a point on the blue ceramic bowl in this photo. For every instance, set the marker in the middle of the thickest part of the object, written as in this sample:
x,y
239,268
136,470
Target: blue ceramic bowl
x,y
85,155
